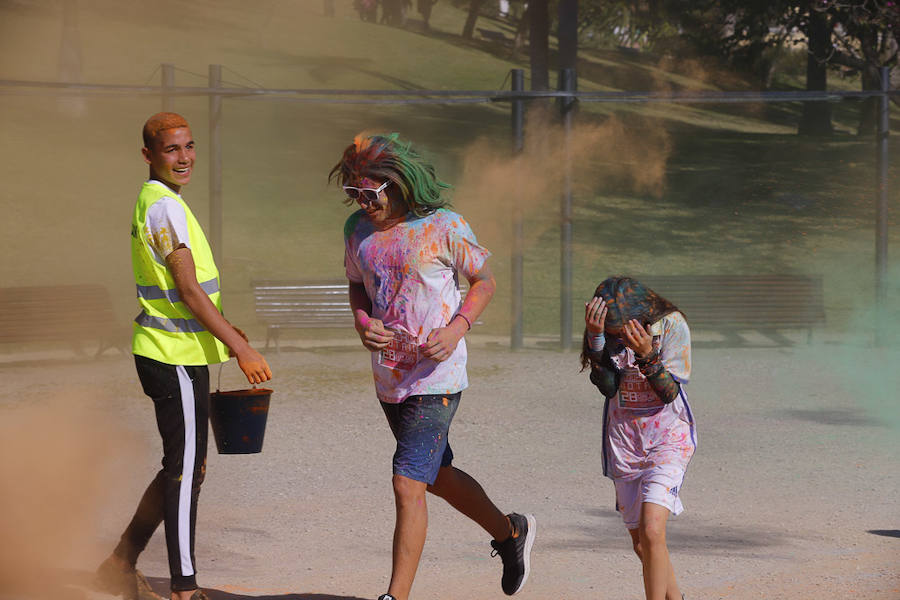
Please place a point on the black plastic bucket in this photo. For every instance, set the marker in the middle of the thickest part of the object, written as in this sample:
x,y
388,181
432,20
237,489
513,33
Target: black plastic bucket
x,y
238,419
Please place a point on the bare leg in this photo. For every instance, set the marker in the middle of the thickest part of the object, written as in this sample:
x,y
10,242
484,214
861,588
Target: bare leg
x,y
467,496
409,534
659,576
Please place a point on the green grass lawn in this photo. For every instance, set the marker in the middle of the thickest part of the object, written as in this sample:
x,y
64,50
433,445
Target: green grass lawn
x,y
731,187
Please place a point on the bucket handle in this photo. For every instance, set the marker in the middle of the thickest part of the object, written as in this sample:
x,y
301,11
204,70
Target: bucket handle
x,y
219,380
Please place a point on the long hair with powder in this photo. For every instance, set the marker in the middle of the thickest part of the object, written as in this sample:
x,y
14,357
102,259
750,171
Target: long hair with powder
x,y
386,157
626,299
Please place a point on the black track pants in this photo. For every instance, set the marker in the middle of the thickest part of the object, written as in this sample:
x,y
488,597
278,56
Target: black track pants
x,y
181,398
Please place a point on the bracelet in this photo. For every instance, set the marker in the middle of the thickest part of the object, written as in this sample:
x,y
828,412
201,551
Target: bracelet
x,y
597,342
468,322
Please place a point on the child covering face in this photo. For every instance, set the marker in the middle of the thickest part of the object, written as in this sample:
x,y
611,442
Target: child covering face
x,y
638,347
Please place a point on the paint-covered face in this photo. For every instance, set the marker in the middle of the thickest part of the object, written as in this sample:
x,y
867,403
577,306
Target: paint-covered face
x,y
382,211
171,157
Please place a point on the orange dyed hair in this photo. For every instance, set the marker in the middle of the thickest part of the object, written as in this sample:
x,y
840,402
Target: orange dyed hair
x,y
161,122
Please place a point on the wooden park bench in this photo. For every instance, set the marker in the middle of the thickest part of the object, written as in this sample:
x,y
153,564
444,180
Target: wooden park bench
x,y
730,304
319,304
76,314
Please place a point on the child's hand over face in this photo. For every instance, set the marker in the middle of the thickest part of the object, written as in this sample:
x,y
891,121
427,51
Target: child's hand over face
x,y
595,315
637,338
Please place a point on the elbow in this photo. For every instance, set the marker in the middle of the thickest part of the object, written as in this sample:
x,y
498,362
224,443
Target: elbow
x,y
490,287
670,393
487,287
192,296
605,380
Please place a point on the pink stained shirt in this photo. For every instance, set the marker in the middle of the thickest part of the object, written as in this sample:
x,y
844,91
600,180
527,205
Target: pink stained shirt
x,y
410,274
641,433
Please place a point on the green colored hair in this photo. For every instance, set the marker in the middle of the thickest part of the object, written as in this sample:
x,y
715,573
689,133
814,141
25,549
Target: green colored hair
x,y
386,157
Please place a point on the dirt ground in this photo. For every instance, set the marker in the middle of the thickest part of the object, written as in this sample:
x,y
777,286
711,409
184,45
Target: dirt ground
x,y
793,492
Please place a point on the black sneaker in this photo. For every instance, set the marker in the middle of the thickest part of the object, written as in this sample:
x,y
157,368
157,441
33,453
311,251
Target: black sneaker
x,y
515,551
386,597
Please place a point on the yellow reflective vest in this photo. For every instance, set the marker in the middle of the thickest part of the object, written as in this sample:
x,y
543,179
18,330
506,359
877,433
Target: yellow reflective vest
x,y
165,330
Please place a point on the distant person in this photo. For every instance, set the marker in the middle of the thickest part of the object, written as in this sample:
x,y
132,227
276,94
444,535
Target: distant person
x,y
179,331
638,347
393,12
367,9
424,7
404,253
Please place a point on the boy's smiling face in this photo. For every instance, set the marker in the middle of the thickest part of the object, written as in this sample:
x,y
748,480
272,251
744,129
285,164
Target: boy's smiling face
x,y
171,157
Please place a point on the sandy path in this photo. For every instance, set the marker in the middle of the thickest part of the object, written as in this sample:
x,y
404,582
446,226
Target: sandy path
x,y
792,494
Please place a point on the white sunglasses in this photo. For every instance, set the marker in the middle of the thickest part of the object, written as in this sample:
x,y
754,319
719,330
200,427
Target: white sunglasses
x,y
365,195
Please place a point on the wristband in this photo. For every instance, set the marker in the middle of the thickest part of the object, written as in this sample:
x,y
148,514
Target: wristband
x,y
597,342
468,322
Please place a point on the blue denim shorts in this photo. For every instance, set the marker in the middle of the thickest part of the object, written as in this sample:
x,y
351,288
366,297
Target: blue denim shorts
x,y
420,425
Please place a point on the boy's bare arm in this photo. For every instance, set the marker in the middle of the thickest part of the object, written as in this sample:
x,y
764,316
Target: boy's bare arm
x,y
482,286
443,340
251,362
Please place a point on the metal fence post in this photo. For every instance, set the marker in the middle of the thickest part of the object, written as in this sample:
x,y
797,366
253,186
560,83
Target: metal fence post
x,y
215,164
567,105
167,82
881,211
517,292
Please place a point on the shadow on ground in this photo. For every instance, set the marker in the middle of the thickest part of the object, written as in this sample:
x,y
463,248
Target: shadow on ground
x,y
685,535
70,584
160,585
219,595
835,416
894,533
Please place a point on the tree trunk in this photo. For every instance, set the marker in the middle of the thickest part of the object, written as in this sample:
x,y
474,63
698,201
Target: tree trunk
x,y
871,80
868,110
567,34
539,44
522,31
816,117
474,9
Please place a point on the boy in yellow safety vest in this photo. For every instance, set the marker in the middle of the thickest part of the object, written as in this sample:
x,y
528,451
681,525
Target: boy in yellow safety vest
x,y
179,331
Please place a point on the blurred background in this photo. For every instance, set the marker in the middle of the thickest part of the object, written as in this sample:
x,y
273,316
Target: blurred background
x,y
786,188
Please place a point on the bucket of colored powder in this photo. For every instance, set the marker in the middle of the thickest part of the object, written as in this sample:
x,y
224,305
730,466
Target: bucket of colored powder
x,y
238,419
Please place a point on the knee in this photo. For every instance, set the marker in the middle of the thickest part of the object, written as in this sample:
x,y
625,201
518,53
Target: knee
x,y
408,491
653,533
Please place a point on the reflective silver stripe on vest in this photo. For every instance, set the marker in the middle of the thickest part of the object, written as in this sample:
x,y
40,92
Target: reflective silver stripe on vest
x,y
152,292
171,325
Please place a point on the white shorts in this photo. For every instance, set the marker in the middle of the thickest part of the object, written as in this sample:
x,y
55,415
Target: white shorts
x,y
657,487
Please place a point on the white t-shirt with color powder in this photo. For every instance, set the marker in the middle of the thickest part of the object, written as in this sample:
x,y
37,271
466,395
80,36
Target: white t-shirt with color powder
x,y
165,225
642,433
410,274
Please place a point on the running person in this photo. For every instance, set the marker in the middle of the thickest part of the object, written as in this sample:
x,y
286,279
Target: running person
x,y
179,331
404,253
638,347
